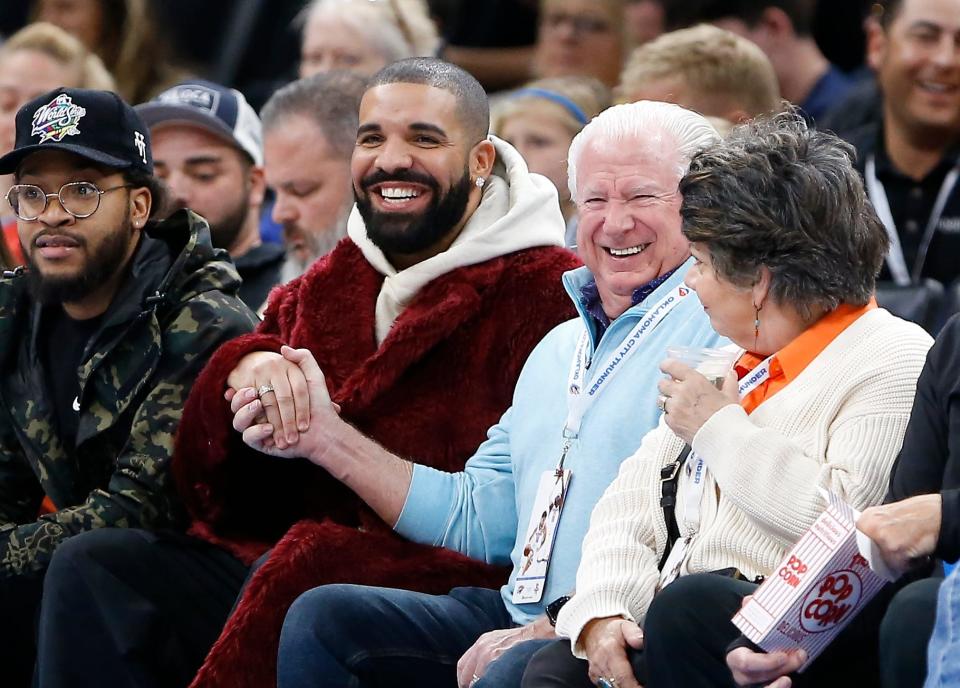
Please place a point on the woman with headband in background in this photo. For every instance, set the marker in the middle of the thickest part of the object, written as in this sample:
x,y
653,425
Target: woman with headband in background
x,y
541,119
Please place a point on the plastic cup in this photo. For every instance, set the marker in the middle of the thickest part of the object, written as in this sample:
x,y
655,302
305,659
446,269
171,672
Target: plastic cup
x,y
713,364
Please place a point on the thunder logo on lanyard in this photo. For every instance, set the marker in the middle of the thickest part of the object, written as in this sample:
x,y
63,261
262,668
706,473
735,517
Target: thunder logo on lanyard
x,y
554,484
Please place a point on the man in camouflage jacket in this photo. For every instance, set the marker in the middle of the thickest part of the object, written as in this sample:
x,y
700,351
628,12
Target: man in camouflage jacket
x,y
143,308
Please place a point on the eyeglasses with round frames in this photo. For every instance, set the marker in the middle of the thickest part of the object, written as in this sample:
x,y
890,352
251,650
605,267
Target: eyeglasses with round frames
x,y
80,199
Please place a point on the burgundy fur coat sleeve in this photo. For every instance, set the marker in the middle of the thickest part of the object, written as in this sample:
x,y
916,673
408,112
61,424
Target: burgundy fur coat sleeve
x,y
208,439
429,392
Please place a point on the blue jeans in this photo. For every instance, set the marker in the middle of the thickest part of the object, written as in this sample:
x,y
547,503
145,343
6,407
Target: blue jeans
x,y
352,635
943,653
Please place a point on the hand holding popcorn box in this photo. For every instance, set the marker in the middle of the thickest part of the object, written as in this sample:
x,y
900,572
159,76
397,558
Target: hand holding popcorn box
x,y
822,583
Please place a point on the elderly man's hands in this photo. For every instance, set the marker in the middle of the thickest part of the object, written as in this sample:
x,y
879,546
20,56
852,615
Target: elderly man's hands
x,y
605,641
690,398
491,645
771,669
286,407
260,434
906,531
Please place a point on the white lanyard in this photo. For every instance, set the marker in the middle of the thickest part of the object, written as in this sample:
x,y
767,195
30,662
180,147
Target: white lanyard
x,y
551,493
580,396
695,470
878,196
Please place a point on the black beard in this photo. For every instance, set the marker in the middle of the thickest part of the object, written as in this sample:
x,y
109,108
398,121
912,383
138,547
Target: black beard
x,y
402,234
100,267
224,233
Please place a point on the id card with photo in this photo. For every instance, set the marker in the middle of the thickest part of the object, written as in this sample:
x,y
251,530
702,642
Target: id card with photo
x,y
541,533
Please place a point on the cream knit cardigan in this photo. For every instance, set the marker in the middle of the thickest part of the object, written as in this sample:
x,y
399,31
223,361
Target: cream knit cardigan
x,y
839,425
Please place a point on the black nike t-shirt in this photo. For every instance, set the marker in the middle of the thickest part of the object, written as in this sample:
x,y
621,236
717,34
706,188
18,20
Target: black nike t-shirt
x,y
63,343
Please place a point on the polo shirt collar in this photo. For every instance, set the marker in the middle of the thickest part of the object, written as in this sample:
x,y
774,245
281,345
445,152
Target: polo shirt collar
x,y
792,359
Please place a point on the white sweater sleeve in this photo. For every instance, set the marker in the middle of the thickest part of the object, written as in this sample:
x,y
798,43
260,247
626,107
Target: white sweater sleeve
x,y
774,480
618,568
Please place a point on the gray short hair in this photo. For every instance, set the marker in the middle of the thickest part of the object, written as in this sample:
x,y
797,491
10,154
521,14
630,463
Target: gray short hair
x,y
645,119
778,194
331,100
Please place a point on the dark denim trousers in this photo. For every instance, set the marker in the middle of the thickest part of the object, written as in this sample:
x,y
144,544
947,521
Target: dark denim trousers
x,y
351,635
688,630
128,608
19,603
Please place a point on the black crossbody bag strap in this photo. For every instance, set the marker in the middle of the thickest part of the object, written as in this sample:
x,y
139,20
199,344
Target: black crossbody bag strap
x,y
669,479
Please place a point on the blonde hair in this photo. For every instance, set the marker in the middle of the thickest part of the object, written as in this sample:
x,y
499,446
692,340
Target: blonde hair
x,y
64,49
721,71
396,28
589,95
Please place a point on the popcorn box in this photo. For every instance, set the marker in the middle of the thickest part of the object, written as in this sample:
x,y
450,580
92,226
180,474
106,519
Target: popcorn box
x,y
822,583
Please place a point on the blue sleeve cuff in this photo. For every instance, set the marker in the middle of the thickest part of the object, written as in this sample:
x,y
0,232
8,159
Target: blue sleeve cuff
x,y
426,512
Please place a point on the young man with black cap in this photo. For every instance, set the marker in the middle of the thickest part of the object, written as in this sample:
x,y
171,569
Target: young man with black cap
x,y
208,149
101,338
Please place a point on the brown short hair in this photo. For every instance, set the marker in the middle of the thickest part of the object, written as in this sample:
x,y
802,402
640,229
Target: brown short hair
x,y
722,71
778,194
885,11
801,12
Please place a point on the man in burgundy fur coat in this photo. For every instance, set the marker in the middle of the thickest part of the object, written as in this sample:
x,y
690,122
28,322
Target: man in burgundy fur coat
x,y
421,320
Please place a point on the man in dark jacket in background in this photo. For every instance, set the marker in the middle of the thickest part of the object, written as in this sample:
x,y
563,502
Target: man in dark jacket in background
x,y
208,150
101,338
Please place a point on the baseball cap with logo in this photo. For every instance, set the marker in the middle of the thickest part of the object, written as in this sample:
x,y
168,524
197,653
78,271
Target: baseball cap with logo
x,y
96,125
220,110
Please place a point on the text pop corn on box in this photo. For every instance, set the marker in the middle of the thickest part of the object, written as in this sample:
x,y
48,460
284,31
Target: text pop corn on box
x,y
822,583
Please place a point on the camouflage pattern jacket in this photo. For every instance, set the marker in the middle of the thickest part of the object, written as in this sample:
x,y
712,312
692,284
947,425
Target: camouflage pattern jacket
x,y
176,307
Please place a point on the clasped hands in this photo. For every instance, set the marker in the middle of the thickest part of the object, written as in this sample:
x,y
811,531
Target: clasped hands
x,y
293,410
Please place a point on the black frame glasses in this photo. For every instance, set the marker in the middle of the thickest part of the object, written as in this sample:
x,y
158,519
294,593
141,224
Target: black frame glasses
x,y
13,198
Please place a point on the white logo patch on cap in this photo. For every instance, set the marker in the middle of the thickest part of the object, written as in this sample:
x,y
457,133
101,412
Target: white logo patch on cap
x,y
57,119
141,145
193,95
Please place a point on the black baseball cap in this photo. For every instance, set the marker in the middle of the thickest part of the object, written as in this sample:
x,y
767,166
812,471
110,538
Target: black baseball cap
x,y
96,125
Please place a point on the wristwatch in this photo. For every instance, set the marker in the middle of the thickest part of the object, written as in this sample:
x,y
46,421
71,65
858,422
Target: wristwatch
x,y
554,608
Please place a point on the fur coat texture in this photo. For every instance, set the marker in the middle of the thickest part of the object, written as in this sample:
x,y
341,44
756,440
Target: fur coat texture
x,y
443,375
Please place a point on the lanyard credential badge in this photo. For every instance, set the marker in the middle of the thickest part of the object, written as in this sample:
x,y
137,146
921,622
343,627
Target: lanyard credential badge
x,y
901,273
541,533
582,392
